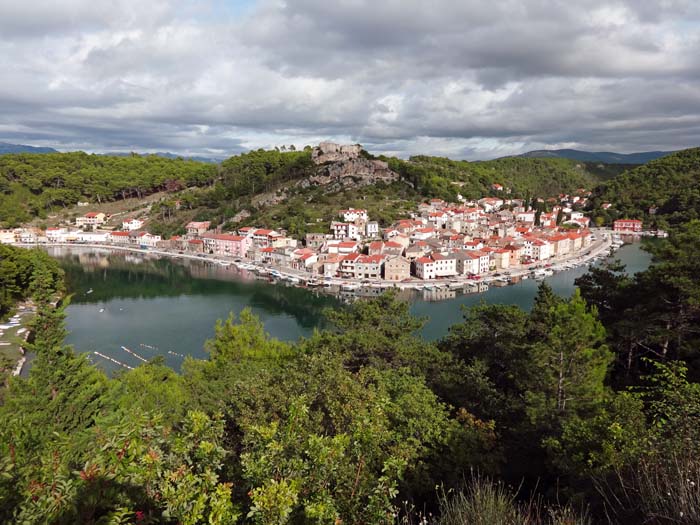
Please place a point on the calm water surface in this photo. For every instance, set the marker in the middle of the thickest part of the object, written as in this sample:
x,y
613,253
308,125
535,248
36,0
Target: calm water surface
x,y
154,305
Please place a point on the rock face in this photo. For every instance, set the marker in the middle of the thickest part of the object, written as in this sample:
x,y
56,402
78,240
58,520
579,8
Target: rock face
x,y
343,165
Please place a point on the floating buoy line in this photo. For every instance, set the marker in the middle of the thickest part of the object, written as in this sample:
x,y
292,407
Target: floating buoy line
x,y
137,356
113,360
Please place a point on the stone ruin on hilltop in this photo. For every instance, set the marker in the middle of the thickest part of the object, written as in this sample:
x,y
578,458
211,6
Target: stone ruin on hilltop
x,y
331,152
342,165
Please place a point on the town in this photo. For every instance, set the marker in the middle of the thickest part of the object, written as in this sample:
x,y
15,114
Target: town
x,y
440,241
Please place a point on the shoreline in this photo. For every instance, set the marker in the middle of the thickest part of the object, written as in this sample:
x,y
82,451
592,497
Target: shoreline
x,y
337,285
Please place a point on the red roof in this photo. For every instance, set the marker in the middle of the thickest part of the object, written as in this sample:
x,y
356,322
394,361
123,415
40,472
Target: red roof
x,y
223,237
196,241
424,260
91,214
376,259
119,234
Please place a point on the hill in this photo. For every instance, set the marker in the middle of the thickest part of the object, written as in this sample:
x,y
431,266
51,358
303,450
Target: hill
x,y
6,148
664,192
165,155
298,190
31,185
596,156
522,177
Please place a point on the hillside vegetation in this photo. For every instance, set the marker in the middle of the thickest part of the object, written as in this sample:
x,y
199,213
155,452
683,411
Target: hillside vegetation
x,y
607,157
299,208
31,185
361,423
589,405
444,178
668,187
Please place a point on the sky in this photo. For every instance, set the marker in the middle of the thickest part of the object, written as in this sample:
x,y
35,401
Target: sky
x,y
466,79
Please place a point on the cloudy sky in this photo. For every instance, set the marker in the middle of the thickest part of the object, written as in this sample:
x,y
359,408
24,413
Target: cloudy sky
x,y
470,79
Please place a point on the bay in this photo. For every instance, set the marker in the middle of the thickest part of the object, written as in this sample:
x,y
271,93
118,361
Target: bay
x,y
159,306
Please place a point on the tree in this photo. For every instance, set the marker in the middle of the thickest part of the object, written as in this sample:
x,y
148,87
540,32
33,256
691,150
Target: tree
x,y
572,362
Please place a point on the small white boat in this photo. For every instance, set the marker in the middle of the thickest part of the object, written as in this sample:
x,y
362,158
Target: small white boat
x,y
89,291
102,310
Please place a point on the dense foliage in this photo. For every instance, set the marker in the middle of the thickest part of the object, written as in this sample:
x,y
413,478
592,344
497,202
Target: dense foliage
x,y
343,426
33,184
267,186
25,274
664,192
445,178
589,405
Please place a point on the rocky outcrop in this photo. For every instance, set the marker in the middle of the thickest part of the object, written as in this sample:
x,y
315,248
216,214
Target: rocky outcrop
x,y
344,166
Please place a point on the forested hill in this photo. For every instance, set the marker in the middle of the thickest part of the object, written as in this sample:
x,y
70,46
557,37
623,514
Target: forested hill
x,y
665,192
607,157
33,184
442,177
6,148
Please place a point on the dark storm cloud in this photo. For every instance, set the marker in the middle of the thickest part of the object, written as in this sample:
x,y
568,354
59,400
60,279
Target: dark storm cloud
x,y
464,78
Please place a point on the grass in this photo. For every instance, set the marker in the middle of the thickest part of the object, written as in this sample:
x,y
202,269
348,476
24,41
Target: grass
x,y
483,501
119,208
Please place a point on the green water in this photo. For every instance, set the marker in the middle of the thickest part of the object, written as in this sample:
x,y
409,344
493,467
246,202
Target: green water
x,y
173,305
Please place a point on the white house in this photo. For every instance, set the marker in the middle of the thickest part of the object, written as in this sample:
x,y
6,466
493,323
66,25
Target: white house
x,y
345,230
7,237
351,215
541,250
55,234
525,216
98,237
372,229
490,204
147,240
91,219
437,265
132,224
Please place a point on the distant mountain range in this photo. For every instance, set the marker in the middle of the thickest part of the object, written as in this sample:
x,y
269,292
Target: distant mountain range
x,y
606,157
6,148
164,154
21,148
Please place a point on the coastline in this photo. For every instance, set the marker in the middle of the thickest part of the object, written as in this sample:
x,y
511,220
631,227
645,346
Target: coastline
x,y
334,285
18,323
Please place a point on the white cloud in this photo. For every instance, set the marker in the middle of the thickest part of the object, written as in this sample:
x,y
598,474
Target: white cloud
x,y
464,78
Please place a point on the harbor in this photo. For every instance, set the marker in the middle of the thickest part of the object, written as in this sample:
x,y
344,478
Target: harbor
x,y
160,306
605,243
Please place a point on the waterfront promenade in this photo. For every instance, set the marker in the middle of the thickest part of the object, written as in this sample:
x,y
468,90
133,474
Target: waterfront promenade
x,y
600,247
